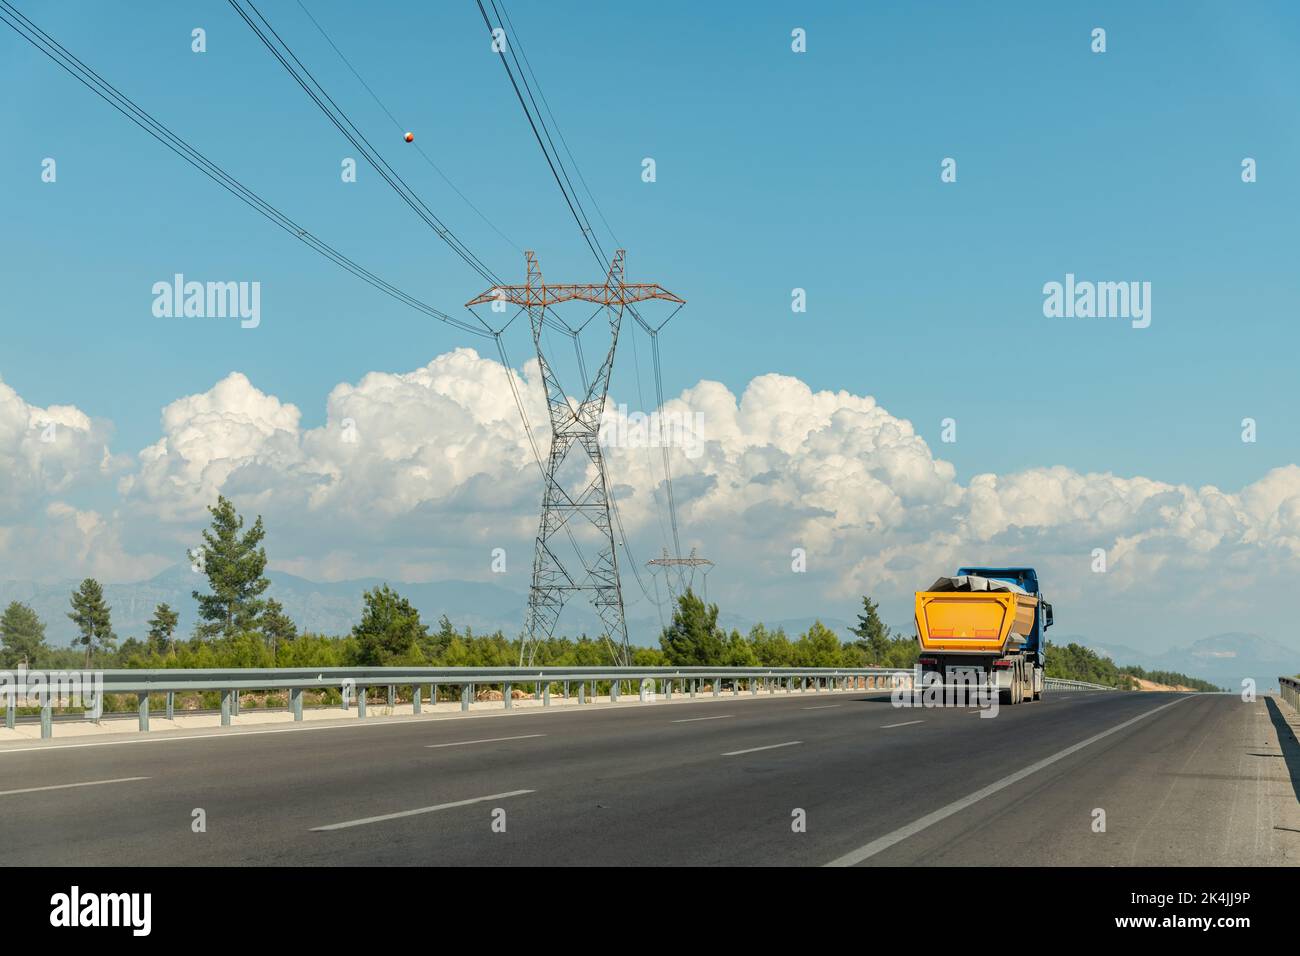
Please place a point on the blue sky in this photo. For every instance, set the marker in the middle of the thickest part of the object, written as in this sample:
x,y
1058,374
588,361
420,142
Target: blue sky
x,y
774,171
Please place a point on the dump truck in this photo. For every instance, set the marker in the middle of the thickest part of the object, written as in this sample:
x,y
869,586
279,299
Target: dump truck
x,y
990,620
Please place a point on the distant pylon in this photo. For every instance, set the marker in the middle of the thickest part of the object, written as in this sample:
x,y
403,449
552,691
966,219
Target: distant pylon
x,y
692,562
572,427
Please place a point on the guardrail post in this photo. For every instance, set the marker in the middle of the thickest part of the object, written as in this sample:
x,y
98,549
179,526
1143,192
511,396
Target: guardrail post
x,y
47,716
11,711
735,687
415,698
546,695
753,687
668,689
695,683
505,695
717,685
171,705
235,707
142,707
582,693
613,691
433,696
464,696
771,686
392,696
566,690
295,702
361,702
225,708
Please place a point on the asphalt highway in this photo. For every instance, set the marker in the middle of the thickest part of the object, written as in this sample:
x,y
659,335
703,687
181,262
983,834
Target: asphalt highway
x,y
847,779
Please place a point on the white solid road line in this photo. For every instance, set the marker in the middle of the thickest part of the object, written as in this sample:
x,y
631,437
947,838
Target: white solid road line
x,y
930,819
691,720
906,723
418,811
822,707
68,786
488,740
751,750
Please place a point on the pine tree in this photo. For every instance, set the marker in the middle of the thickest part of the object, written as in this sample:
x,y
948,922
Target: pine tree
x,y
873,635
162,628
390,628
234,565
277,627
693,638
93,619
820,647
22,636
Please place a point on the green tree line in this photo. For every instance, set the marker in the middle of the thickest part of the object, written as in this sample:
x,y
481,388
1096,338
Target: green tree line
x,y
1076,662
238,626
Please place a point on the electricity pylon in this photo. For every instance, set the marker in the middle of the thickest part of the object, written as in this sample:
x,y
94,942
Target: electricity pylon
x,y
573,428
692,562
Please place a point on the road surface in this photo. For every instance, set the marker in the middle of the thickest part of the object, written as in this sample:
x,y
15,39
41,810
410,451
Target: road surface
x,y
1181,779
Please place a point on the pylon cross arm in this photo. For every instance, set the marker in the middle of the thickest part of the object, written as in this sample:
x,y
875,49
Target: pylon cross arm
x,y
545,296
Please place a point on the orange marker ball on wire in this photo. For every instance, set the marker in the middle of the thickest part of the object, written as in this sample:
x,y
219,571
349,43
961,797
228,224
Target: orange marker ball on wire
x,y
410,137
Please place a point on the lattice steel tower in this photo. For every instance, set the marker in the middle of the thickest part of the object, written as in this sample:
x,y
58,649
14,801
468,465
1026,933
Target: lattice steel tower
x,y
575,428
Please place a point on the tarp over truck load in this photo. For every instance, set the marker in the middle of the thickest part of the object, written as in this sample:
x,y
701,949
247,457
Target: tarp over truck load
x,y
974,615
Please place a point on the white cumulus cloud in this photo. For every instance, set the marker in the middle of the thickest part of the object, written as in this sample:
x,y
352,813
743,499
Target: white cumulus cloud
x,y
419,474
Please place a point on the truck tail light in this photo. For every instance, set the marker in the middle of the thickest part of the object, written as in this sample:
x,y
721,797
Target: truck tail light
x,y
928,661
1002,665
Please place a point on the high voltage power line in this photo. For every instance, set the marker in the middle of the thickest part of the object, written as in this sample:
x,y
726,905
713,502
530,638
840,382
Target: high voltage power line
x,y
400,128
528,95
283,53
78,69
512,50
304,78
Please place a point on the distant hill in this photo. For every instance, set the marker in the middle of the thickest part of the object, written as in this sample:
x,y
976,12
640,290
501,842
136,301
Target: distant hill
x,y
1223,659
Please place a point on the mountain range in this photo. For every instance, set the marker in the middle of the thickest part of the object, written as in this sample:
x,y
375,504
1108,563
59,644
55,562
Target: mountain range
x,y
1224,659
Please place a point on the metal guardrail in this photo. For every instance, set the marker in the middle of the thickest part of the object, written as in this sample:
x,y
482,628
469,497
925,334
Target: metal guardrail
x,y
1060,683
354,682
1289,689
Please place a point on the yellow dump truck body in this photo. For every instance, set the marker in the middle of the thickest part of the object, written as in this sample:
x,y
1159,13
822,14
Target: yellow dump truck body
x,y
974,622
